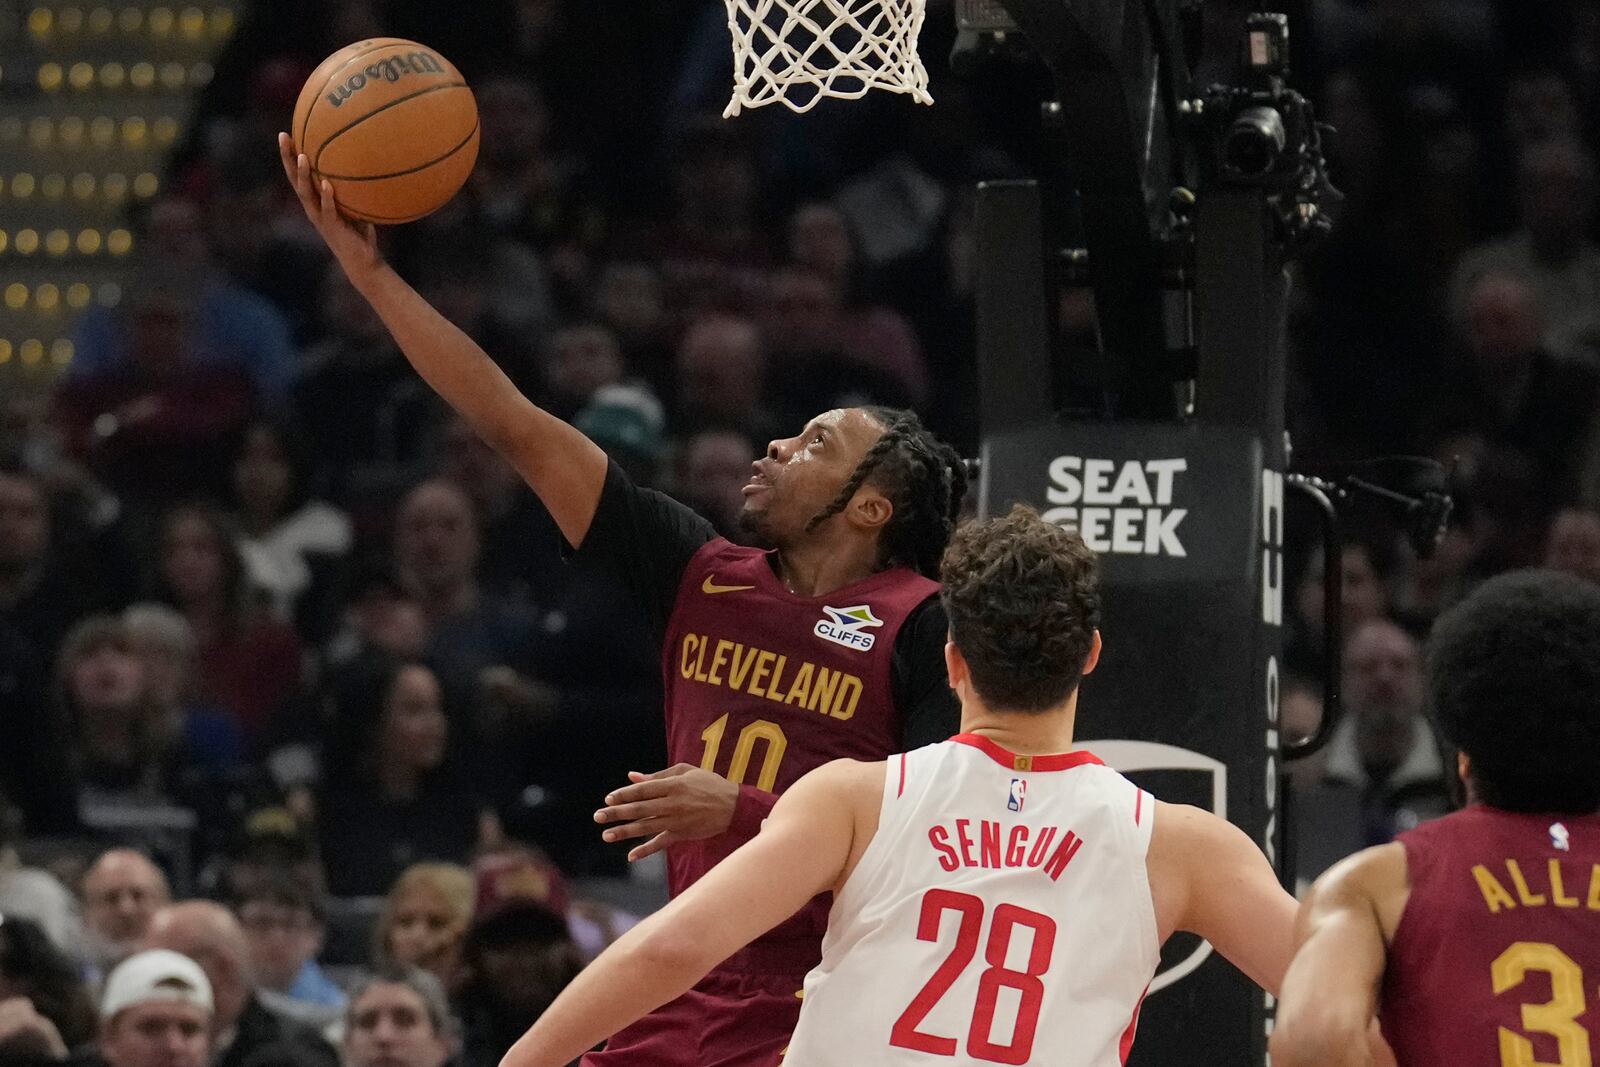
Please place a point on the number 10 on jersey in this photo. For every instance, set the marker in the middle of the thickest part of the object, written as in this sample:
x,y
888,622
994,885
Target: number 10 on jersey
x,y
761,730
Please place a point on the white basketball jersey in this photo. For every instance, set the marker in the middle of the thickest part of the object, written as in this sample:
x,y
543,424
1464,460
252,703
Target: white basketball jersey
x,y
1001,914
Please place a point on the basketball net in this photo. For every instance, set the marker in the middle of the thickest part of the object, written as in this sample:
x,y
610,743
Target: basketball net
x,y
796,52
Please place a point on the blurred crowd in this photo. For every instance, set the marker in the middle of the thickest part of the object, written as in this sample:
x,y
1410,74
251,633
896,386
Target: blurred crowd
x,y
296,681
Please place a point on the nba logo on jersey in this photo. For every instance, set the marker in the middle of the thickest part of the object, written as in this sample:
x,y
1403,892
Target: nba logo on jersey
x,y
1019,793
1559,837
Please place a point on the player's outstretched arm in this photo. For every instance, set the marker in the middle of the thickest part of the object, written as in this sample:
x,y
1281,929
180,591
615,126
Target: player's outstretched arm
x,y
1330,997
804,849
564,467
1209,878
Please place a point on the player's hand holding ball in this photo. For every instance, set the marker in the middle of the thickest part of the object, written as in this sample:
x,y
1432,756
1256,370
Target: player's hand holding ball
x,y
385,131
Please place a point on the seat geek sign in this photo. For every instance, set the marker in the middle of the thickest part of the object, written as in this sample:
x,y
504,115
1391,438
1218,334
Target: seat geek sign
x,y
1156,502
1123,507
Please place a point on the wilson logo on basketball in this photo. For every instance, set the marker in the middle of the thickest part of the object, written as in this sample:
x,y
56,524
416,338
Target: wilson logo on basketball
x,y
390,69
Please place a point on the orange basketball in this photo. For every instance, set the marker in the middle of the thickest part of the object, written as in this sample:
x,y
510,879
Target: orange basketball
x,y
392,125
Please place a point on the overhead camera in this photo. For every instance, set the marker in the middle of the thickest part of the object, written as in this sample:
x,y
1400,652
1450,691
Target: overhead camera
x,y
1260,129
1265,134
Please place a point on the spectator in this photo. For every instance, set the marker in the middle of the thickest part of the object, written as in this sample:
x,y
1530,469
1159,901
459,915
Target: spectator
x,y
398,796
253,253
1384,747
1541,107
284,926
520,546
37,896
626,421
1325,815
293,545
579,360
525,190
157,1010
820,242
230,327
721,374
1514,391
274,843
37,778
361,449
250,663
1551,252
425,919
155,426
382,619
586,649
45,1012
817,364
712,250
520,954
713,468
400,1018
164,643
492,290
40,597
628,299
125,755
1573,545
1363,596
436,552
122,890
209,934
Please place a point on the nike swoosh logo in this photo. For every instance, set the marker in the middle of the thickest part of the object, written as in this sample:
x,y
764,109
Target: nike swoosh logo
x,y
709,586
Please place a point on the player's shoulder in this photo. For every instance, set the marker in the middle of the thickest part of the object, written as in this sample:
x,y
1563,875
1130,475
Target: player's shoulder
x,y
842,775
719,549
853,774
1376,879
1184,834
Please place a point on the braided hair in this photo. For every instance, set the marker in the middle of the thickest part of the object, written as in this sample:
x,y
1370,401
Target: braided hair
x,y
924,480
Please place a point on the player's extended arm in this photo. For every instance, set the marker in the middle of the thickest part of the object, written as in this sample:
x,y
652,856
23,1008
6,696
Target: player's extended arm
x,y
801,851
1330,997
564,467
1216,882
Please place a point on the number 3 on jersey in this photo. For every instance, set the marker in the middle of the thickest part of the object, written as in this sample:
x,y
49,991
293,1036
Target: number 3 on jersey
x,y
1557,1016
997,976
744,749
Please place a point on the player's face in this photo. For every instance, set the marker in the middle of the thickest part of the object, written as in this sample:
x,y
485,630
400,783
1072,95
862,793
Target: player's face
x,y
800,475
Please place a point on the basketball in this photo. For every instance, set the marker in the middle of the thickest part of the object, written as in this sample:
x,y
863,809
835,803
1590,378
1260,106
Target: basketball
x,y
392,124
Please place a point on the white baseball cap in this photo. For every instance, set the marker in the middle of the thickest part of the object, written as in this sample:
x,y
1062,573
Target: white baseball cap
x,y
155,976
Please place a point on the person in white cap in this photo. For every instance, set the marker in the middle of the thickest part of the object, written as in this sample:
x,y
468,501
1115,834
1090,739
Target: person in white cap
x,y
155,1011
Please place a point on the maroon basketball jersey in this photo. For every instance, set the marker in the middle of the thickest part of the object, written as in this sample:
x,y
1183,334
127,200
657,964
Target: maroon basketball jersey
x,y
1496,960
763,686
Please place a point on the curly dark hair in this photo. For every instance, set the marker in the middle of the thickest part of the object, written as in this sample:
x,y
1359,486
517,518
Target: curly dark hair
x,y
1023,599
1514,682
924,479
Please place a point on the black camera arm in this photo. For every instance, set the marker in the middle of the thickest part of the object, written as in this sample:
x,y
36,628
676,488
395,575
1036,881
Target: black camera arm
x,y
1424,511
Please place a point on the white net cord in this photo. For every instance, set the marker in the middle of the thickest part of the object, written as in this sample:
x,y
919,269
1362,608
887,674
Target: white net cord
x,y
796,52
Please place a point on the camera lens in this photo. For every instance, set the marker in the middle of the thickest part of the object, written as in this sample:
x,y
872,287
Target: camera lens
x,y
1255,140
